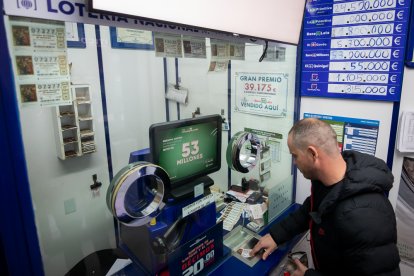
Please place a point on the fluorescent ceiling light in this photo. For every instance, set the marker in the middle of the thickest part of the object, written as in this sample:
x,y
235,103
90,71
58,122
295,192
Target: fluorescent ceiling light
x,y
278,20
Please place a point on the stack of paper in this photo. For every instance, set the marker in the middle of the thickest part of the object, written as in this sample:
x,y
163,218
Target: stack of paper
x,y
405,139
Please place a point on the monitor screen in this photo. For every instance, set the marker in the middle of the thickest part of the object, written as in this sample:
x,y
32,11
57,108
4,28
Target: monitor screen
x,y
187,149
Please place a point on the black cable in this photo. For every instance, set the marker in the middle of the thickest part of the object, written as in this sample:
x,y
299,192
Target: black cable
x,y
264,52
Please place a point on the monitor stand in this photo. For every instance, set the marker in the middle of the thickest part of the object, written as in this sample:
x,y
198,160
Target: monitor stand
x,y
187,190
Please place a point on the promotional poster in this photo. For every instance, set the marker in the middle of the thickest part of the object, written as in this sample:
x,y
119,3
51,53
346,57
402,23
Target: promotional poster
x,y
199,254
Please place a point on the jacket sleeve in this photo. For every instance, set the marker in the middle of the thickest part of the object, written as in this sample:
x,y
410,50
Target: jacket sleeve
x,y
294,224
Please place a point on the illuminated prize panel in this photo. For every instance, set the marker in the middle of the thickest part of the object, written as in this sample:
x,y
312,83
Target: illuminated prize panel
x,y
354,49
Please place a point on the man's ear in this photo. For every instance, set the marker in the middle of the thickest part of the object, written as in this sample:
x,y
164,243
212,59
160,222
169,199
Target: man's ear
x,y
313,152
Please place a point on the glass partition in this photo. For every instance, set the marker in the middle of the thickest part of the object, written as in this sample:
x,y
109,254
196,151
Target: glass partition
x,y
84,109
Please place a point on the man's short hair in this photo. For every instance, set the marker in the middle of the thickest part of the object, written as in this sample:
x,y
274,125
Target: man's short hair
x,y
314,132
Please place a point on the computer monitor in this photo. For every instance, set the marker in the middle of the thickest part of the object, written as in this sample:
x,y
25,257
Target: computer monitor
x,y
188,150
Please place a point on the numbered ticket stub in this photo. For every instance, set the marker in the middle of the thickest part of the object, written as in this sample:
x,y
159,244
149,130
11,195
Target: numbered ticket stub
x,y
246,252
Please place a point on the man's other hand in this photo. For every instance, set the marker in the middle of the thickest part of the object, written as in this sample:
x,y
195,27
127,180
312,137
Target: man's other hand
x,y
301,268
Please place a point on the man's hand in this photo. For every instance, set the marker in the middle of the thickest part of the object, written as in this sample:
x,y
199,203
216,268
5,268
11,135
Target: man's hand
x,y
301,268
267,244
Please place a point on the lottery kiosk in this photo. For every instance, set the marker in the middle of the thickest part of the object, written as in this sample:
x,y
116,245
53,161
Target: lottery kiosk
x,y
162,205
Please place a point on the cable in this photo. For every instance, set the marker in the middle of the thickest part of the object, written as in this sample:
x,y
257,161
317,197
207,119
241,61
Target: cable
x,y
264,52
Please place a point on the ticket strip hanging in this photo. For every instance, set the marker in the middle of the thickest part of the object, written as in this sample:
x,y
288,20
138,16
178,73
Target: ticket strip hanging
x,y
243,151
354,49
137,193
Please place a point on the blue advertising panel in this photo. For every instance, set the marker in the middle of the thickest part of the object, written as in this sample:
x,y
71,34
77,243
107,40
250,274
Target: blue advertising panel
x,y
199,254
354,49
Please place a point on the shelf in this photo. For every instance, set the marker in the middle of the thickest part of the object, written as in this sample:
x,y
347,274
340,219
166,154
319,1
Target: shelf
x,y
70,140
68,127
75,135
87,139
85,118
84,102
67,114
71,153
86,133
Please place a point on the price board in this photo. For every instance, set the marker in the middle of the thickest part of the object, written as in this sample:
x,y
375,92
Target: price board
x,y
354,49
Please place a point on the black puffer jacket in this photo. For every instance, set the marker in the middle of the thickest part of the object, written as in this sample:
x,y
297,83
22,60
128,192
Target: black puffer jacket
x,y
353,226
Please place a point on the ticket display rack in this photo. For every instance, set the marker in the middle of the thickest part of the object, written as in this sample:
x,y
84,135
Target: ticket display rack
x,y
74,130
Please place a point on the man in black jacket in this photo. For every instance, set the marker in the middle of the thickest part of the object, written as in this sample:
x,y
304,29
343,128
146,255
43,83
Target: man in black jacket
x,y
352,224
